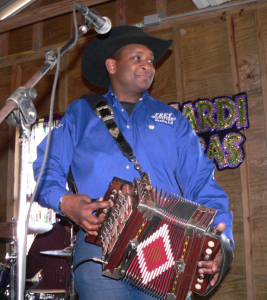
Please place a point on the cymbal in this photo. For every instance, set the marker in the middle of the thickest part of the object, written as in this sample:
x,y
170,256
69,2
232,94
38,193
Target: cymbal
x,y
8,230
39,227
67,252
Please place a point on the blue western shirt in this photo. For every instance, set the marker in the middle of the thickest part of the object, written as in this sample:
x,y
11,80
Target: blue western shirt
x,y
162,139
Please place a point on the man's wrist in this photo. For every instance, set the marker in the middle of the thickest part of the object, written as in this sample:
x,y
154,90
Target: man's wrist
x,y
60,206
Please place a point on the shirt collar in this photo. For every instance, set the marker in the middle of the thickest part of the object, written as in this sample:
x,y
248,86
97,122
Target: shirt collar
x,y
145,94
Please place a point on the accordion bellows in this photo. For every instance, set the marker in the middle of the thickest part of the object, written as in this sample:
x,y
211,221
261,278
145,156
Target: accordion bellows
x,y
155,241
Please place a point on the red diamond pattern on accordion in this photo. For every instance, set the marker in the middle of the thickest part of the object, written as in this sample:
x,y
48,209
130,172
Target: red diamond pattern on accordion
x,y
155,254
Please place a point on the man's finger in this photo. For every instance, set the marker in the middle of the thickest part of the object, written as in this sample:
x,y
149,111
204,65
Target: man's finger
x,y
100,204
208,271
88,226
205,264
214,279
216,265
221,227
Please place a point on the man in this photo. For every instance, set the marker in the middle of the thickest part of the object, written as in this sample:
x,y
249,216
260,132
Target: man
x,y
162,140
55,270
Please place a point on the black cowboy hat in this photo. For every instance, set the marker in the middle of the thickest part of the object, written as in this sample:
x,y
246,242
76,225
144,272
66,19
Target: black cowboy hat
x,y
103,46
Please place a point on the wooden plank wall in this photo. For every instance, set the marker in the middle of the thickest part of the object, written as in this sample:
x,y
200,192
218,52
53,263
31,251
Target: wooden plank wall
x,y
213,54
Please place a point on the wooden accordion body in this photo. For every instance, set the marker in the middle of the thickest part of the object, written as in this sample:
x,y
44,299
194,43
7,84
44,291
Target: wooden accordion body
x,y
154,242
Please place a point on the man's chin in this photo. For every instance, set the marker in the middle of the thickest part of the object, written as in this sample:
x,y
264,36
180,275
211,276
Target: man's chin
x,y
145,85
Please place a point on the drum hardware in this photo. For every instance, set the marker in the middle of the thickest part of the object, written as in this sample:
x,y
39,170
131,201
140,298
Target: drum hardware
x,y
8,233
8,230
4,281
12,258
68,253
72,242
45,294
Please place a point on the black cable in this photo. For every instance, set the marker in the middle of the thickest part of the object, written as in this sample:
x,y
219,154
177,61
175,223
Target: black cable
x,y
51,112
95,259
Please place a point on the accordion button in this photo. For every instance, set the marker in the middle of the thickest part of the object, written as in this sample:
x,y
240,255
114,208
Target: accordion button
x,y
200,280
211,244
209,251
198,286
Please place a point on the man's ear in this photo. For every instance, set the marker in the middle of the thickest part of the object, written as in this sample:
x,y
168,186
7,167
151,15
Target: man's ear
x,y
111,65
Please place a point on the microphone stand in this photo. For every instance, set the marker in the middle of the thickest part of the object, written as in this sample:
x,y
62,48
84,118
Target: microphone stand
x,y
20,111
72,241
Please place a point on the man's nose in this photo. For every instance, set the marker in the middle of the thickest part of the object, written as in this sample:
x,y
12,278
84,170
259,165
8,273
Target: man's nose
x,y
146,65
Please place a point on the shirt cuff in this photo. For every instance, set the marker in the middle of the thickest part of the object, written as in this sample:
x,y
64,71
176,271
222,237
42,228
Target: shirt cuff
x,y
55,196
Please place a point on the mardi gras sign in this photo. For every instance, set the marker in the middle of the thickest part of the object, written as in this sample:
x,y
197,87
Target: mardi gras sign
x,y
217,124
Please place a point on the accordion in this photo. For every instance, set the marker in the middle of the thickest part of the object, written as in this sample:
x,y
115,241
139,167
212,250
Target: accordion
x,y
154,241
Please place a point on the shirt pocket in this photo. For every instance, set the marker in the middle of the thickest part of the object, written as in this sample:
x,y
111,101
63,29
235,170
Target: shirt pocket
x,y
160,145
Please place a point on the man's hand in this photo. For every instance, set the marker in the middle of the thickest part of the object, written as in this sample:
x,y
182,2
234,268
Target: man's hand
x,y
212,266
79,209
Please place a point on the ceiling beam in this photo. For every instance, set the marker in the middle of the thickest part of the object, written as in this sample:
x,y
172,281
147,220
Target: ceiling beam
x,y
43,13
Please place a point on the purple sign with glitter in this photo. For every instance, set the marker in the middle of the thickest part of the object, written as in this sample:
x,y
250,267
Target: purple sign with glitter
x,y
218,124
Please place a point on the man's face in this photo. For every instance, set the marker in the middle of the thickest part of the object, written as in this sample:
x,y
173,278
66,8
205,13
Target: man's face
x,y
133,69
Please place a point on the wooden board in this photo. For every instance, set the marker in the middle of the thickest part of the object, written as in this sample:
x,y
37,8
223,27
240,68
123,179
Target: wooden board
x,y
206,61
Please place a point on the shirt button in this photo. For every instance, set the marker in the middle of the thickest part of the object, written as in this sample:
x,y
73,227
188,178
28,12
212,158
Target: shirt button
x,y
127,167
128,126
151,126
122,109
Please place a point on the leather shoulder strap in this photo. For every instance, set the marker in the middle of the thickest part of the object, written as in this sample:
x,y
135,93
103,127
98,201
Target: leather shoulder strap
x,y
101,107
95,99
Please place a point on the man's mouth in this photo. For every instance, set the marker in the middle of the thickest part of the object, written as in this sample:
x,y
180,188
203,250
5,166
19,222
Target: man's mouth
x,y
145,76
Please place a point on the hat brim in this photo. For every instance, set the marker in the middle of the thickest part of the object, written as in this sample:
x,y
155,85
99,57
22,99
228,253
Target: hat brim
x,y
103,46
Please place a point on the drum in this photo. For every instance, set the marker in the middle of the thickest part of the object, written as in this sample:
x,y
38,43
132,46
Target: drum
x,y
4,278
45,294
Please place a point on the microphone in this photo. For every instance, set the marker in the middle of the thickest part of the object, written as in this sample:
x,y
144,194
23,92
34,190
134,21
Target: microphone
x,y
102,24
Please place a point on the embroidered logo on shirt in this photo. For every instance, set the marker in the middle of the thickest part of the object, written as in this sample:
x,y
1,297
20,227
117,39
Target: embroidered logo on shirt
x,y
166,118
59,125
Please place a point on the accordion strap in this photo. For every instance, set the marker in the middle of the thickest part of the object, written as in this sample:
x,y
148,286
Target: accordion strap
x,y
101,107
227,258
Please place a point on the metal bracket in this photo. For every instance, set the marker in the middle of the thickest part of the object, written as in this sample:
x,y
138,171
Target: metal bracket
x,y
98,109
50,57
131,249
180,266
151,20
23,98
161,15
